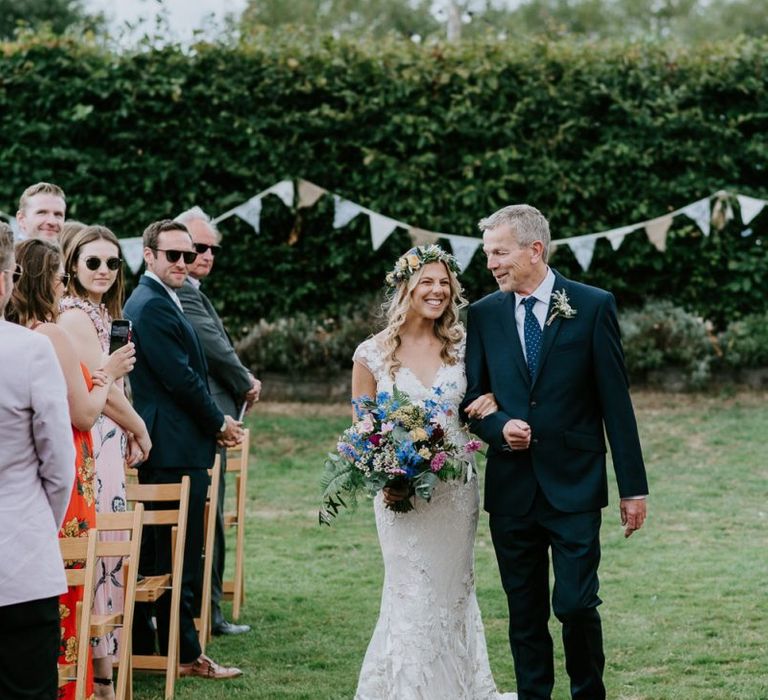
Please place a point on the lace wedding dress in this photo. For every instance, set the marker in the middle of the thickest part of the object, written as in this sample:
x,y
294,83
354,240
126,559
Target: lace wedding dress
x,y
429,641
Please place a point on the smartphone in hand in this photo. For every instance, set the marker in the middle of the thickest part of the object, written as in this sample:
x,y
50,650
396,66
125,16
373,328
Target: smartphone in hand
x,y
119,334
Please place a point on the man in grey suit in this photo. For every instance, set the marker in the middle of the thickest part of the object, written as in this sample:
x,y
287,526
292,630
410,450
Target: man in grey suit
x,y
230,382
37,473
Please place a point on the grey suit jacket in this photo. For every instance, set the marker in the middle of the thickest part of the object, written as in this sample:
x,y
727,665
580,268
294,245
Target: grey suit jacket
x,y
228,378
37,466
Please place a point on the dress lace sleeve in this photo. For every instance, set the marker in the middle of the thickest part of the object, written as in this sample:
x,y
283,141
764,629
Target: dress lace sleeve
x,y
369,355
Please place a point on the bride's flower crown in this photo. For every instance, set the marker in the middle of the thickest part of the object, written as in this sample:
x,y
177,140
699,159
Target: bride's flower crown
x,y
416,258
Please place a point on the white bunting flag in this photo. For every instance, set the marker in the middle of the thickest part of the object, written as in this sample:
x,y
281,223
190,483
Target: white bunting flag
x,y
381,228
583,248
18,234
657,231
309,193
464,249
284,190
250,212
344,212
616,236
750,207
194,212
133,252
700,213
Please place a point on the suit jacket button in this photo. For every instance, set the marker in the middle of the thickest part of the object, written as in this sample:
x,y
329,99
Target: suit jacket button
x,y
533,404
535,441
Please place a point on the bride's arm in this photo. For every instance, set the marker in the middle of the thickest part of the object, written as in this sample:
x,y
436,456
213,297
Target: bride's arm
x,y
363,383
482,406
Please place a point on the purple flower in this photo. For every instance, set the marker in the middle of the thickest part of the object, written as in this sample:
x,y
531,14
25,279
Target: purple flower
x,y
438,461
472,446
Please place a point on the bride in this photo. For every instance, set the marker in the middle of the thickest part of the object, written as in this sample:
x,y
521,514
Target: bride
x,y
429,642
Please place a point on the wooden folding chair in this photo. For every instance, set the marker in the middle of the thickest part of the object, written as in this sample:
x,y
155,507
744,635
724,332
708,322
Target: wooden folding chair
x,y
130,522
81,550
151,588
203,623
237,464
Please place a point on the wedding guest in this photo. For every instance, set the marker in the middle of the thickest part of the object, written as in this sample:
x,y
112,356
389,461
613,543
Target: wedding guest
x,y
230,382
171,392
549,349
37,469
94,299
34,304
42,209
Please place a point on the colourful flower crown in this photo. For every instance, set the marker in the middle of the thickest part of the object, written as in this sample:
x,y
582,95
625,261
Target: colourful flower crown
x,y
416,258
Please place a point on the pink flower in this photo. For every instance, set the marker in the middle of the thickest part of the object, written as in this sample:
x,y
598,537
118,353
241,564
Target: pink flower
x,y
438,461
387,427
472,446
365,424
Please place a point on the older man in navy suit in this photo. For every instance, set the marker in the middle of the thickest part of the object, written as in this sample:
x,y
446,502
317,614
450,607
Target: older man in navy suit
x,y
549,350
171,394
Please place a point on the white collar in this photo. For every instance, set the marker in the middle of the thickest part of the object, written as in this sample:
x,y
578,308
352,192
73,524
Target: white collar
x,y
543,292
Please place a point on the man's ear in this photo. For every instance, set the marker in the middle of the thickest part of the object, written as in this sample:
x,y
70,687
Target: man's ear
x,y
148,256
537,254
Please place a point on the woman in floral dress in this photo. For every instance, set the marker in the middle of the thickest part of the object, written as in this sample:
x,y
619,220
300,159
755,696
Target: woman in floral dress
x,y
34,304
94,298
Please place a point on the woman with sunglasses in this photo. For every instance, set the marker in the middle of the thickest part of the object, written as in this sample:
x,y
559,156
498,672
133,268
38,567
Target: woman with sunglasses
x,y
95,297
39,283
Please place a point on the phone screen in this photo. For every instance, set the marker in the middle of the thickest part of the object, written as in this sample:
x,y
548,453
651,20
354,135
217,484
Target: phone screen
x,y
119,334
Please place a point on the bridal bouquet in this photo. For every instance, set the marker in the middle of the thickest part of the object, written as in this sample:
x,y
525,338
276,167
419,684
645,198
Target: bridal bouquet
x,y
393,442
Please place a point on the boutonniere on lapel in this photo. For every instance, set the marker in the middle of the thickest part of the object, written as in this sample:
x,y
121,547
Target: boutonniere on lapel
x,y
561,306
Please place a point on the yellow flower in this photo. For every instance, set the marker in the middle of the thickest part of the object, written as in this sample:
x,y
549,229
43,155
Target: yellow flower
x,y
86,474
419,434
63,611
424,453
70,652
71,528
413,261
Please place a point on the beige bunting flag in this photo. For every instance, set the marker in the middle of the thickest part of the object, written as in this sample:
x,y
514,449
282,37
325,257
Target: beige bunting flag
x,y
420,236
657,231
309,193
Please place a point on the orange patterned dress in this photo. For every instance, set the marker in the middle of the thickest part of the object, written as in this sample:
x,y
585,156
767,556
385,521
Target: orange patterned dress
x,y
81,515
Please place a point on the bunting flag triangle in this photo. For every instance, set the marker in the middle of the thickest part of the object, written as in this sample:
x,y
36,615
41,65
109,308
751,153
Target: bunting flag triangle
x,y
133,252
18,234
750,207
250,212
344,211
700,213
657,231
309,193
583,249
420,236
616,236
381,228
464,249
284,190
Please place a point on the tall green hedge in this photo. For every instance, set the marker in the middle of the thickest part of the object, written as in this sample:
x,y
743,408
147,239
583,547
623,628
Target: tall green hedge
x,y
596,136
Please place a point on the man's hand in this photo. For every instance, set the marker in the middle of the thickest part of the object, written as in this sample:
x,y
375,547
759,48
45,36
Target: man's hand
x,y
394,494
633,512
517,434
252,395
233,433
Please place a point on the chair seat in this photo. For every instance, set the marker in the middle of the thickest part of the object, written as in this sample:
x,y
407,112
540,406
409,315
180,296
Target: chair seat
x,y
101,624
150,588
67,673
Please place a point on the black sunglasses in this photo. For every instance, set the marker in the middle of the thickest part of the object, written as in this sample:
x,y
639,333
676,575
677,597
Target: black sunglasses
x,y
93,263
204,247
64,278
173,255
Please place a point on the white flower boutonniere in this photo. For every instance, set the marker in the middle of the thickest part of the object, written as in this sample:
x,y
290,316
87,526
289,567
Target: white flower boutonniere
x,y
561,306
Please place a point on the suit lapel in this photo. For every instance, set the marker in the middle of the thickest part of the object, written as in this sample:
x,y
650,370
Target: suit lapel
x,y
507,311
551,330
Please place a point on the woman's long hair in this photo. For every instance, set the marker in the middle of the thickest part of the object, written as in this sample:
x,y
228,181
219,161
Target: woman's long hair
x,y
113,299
448,328
34,295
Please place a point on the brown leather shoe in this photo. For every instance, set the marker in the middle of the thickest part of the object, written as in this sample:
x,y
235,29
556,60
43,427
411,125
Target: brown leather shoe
x,y
205,667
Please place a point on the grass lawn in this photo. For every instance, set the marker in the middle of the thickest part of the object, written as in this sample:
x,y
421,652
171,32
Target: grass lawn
x,y
685,615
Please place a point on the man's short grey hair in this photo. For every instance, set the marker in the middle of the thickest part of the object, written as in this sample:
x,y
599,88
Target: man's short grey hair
x,y
6,245
527,223
196,213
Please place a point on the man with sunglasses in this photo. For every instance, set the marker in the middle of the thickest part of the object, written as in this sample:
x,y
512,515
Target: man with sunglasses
x,y
170,391
37,470
231,383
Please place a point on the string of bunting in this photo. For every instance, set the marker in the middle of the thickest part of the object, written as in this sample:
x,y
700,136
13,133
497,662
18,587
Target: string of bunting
x,y
304,194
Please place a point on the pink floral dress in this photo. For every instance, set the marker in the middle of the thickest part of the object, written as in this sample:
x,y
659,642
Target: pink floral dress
x,y
109,445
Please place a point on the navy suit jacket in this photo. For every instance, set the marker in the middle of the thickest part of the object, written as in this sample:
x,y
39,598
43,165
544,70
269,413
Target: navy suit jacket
x,y
170,390
579,394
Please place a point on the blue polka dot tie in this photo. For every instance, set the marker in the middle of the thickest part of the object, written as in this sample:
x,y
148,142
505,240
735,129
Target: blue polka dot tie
x,y
532,335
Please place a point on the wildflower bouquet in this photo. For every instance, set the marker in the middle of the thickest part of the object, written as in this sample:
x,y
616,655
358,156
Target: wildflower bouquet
x,y
394,442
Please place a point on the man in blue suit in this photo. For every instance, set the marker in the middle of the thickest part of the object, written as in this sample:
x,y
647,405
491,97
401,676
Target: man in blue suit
x,y
549,350
170,392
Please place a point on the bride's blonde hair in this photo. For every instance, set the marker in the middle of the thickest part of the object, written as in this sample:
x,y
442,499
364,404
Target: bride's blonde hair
x,y
448,328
